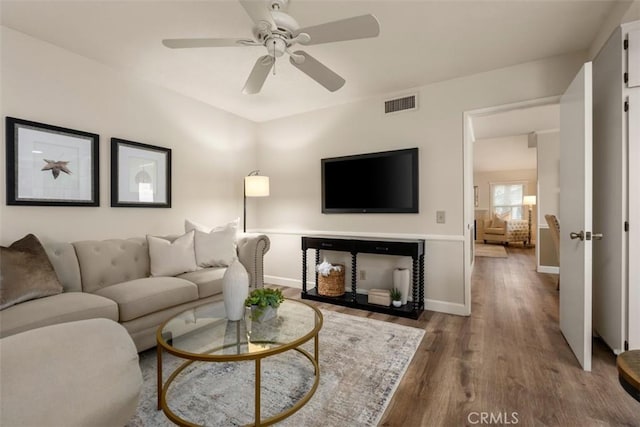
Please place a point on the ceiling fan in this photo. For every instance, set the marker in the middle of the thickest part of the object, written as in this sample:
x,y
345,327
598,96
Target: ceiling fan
x,y
278,32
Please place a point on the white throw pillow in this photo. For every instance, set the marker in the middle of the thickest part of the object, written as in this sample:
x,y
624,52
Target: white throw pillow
x,y
214,247
172,258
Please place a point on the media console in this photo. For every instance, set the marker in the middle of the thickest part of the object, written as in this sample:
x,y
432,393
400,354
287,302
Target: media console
x,y
411,248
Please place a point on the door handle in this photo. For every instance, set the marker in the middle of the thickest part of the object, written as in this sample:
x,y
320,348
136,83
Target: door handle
x,y
597,236
579,235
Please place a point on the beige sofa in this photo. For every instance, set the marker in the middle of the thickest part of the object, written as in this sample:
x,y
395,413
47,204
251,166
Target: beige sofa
x,y
110,279
82,373
512,230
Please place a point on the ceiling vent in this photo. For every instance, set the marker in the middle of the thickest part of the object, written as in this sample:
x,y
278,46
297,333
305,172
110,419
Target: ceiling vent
x,y
396,105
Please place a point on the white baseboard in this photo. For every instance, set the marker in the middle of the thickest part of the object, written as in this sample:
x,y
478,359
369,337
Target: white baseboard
x,y
285,281
432,305
548,269
446,307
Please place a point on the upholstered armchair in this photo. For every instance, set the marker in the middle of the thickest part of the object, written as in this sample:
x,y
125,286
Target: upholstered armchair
x,y
506,231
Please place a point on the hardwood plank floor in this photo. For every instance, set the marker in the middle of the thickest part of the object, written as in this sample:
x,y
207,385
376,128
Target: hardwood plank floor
x,y
508,359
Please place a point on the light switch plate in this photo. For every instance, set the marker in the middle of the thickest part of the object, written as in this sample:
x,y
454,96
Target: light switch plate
x,y
440,217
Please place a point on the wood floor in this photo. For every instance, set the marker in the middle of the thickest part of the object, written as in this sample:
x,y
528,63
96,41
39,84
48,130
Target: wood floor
x,y
507,360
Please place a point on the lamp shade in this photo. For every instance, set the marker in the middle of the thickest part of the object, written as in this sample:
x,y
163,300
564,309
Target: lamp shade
x,y
529,200
256,186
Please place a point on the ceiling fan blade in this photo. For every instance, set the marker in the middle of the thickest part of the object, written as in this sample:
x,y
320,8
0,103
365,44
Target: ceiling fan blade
x,y
318,71
258,75
190,43
358,27
258,12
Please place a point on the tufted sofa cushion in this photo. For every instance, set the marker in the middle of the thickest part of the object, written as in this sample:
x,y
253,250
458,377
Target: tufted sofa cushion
x,y
140,297
107,262
208,280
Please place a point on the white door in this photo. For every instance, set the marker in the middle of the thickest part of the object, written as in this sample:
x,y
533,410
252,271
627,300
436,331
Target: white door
x,y
576,182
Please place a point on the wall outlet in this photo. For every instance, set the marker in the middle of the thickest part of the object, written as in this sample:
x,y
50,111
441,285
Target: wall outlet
x,y
363,275
440,217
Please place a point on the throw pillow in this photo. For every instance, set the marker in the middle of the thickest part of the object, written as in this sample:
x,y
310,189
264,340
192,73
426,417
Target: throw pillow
x,y
172,258
192,225
26,272
499,219
215,247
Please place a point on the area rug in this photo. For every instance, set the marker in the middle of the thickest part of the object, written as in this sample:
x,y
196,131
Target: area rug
x,y
361,362
492,251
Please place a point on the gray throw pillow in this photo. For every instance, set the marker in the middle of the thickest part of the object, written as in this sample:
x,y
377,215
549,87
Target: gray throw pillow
x,y
26,272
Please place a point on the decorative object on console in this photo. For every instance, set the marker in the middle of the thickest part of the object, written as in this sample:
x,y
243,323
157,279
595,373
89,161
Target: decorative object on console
x,y
255,185
27,272
396,297
215,247
529,201
140,175
264,303
278,32
50,165
330,279
171,258
235,289
401,281
379,297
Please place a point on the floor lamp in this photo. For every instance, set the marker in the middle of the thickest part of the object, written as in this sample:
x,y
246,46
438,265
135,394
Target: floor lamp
x,y
254,186
529,201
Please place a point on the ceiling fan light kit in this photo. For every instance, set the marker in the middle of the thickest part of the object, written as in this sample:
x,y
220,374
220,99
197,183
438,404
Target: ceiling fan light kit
x,y
278,32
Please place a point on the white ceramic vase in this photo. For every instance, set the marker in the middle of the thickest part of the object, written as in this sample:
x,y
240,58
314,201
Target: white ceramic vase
x,y
235,289
401,280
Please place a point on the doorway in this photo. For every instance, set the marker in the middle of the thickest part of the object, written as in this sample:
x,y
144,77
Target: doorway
x,y
509,134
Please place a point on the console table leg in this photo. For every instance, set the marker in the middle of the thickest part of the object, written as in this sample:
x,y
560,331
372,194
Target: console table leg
x,y
354,275
421,282
304,271
314,267
415,283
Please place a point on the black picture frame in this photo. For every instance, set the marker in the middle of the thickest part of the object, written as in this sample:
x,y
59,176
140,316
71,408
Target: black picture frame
x,y
140,175
49,165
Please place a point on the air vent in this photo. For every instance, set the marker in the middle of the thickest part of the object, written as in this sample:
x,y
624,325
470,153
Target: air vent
x,y
396,105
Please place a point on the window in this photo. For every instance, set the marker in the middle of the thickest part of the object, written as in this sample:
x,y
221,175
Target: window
x,y
507,197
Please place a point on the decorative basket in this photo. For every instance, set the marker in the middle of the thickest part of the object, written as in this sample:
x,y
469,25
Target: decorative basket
x,y
333,284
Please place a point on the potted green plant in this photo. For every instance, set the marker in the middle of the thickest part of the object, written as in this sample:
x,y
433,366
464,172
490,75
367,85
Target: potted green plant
x,y
264,303
396,297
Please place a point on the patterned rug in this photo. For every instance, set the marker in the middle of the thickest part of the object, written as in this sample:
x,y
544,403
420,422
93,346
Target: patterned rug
x,y
361,362
493,251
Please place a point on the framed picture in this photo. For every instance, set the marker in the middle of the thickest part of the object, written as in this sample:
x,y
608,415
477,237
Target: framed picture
x,y
50,165
140,175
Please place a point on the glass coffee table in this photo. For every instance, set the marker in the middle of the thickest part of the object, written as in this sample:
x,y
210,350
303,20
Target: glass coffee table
x,y
205,334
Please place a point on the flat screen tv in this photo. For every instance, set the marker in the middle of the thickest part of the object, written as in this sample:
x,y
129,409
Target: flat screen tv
x,y
385,182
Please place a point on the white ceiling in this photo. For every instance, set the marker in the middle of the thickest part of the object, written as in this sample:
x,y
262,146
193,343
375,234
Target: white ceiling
x,y
503,154
501,139
420,42
518,121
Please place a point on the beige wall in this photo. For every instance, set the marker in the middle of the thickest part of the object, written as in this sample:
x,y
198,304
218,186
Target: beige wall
x,y
290,150
212,149
548,193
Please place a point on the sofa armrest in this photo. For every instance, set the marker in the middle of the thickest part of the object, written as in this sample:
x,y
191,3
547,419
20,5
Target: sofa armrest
x,y
251,250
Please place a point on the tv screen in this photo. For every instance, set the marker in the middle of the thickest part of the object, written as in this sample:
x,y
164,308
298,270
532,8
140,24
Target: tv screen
x,y
385,182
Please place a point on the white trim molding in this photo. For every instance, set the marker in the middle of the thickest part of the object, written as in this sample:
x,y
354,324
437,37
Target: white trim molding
x,y
364,234
447,307
548,269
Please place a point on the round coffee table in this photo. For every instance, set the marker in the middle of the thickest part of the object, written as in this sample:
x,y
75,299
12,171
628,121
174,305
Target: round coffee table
x,y
205,334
